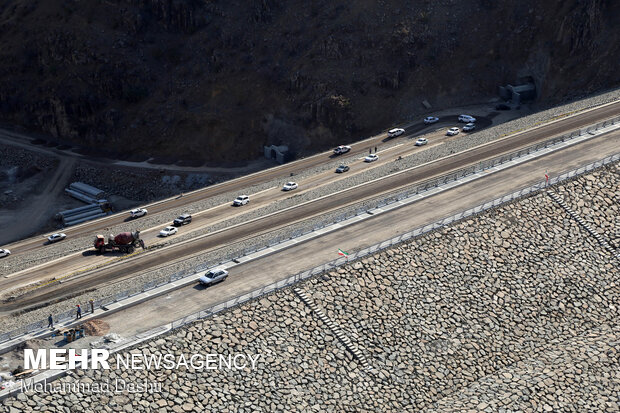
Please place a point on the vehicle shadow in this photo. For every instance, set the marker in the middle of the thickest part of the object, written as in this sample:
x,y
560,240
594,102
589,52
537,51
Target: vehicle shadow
x,y
92,252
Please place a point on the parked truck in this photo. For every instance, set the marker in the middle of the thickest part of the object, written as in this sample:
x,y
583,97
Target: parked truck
x,y
123,242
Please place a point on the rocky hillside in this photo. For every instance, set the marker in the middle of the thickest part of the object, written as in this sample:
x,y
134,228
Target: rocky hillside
x,y
209,79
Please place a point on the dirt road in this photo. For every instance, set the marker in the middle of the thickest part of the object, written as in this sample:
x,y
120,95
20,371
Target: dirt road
x,y
30,218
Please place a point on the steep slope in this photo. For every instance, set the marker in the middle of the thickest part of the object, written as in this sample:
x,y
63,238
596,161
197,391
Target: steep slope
x,y
208,79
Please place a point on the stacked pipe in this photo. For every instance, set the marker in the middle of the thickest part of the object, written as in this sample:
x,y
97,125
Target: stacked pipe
x,y
86,193
82,214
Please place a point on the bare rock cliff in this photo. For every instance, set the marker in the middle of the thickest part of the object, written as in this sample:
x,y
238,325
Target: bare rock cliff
x,y
216,80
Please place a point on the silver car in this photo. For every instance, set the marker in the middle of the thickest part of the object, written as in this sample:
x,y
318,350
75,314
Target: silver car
x,y
469,127
56,237
289,186
213,276
452,131
138,212
241,200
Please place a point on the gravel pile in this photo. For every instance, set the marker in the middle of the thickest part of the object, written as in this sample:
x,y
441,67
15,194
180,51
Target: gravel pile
x,y
454,307
11,156
513,310
145,185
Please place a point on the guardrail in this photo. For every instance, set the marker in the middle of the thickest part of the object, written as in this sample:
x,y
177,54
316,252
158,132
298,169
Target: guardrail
x,y
159,280
384,245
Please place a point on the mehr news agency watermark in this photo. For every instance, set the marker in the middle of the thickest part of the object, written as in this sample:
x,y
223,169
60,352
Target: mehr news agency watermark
x,y
70,359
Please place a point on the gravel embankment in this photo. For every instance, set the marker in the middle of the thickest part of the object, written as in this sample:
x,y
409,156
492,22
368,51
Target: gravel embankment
x,y
16,263
146,185
601,188
11,156
512,310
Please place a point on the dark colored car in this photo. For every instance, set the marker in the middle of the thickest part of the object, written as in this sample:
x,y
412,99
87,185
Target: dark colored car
x,y
341,169
182,220
502,106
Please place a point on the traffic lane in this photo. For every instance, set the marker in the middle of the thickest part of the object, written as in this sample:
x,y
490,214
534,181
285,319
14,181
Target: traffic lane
x,y
186,199
609,142
376,229
178,252
444,122
87,259
265,197
223,212
29,245
251,276
573,122
343,198
506,144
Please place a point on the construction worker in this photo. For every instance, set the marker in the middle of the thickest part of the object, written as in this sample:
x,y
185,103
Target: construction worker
x,y
79,311
92,305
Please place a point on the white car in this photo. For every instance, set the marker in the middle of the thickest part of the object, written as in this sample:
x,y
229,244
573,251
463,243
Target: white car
x,y
241,200
289,186
138,212
421,141
4,253
392,133
468,127
169,230
467,119
56,237
213,276
453,131
430,120
371,158
342,149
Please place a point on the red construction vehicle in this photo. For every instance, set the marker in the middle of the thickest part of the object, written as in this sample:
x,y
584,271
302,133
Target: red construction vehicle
x,y
124,242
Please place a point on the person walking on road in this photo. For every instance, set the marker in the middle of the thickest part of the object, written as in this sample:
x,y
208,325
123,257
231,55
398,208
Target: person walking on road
x,y
375,149
79,311
50,321
369,151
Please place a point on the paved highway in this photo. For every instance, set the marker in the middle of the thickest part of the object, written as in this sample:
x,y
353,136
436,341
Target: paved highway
x,y
256,274
265,224
574,122
206,218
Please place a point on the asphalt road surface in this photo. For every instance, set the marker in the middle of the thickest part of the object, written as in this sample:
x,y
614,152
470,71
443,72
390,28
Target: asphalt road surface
x,y
264,224
547,130
256,274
